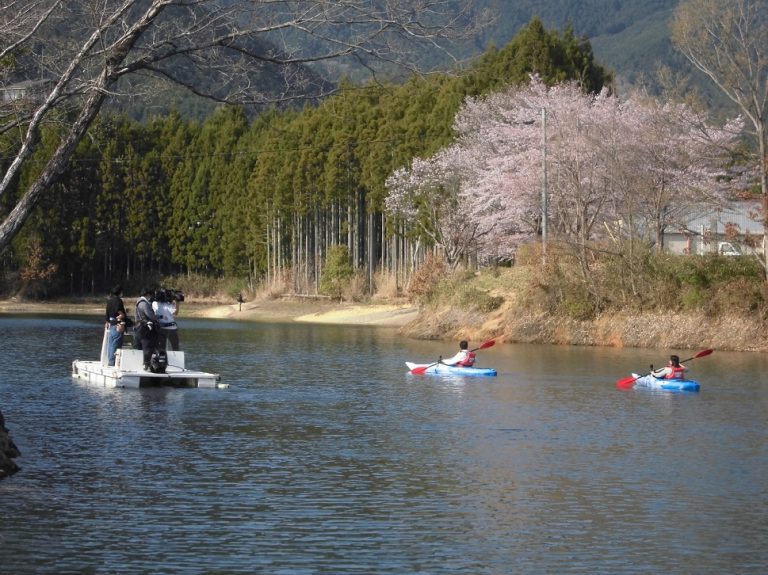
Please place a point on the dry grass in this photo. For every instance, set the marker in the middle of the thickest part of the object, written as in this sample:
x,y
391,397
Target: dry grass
x,y
695,303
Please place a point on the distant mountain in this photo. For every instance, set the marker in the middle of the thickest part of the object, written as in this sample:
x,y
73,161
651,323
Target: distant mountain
x,y
630,37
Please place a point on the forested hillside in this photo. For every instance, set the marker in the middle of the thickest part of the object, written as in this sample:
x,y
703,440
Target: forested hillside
x,y
369,184
262,199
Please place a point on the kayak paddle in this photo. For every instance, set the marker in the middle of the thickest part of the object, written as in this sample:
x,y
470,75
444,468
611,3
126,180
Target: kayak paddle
x,y
422,369
628,382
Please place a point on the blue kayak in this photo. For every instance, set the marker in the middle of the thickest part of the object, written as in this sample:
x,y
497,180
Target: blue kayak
x,y
650,382
442,369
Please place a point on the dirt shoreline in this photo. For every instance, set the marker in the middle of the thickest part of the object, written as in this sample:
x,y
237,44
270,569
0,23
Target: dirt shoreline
x,y
678,331
284,310
508,324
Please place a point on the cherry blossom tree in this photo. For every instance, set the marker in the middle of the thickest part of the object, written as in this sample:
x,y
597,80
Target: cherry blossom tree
x,y
671,162
629,167
458,199
429,197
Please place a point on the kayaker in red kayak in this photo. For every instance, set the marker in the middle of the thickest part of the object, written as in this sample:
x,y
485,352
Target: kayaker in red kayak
x,y
673,370
463,358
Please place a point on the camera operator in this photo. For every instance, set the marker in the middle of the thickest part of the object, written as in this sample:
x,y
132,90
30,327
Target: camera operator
x,y
145,335
165,306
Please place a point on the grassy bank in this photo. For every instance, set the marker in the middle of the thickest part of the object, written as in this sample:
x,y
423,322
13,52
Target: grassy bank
x,y
581,298
657,301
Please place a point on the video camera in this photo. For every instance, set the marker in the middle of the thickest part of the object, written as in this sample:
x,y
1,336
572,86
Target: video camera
x,y
166,295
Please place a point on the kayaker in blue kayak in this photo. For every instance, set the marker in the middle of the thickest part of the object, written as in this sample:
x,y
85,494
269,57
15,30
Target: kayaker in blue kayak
x,y
463,358
673,370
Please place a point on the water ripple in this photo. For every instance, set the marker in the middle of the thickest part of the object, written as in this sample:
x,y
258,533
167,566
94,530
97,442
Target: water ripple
x,y
325,457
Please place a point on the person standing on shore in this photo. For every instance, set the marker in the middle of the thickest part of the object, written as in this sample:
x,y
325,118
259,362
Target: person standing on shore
x,y
115,322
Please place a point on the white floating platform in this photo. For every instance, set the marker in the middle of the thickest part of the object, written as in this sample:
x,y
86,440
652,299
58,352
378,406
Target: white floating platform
x,y
128,371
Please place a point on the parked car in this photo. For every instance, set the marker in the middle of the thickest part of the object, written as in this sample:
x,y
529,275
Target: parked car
x,y
727,249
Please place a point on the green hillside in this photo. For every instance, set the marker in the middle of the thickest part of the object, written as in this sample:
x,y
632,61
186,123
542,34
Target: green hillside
x,y
630,37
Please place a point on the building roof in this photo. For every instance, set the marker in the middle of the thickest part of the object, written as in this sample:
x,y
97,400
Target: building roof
x,y
22,89
747,215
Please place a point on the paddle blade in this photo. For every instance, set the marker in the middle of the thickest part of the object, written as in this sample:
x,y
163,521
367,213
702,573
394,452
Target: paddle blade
x,y
421,370
626,383
703,353
485,345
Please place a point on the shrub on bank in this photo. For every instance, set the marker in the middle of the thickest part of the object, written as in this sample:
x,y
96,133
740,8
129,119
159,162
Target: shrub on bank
x,y
582,284
461,290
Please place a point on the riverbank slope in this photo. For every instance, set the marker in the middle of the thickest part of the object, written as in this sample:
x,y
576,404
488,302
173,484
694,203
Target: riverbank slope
x,y
509,323
647,330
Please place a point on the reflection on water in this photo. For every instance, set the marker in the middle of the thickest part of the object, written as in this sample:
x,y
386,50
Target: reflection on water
x,y
325,456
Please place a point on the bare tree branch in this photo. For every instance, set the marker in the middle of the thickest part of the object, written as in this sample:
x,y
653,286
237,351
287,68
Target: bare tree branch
x,y
249,51
20,20
728,42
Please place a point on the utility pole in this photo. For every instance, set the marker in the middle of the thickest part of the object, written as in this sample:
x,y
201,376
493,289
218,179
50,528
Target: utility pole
x,y
544,184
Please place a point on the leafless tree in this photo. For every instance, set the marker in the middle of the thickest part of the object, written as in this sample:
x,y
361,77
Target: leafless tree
x,y
728,42
20,19
85,51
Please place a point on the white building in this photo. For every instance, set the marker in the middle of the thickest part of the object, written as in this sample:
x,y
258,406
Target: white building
x,y
29,90
721,230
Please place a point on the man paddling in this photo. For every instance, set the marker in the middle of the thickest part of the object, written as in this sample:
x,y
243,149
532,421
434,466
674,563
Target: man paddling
x,y
673,370
629,382
463,358
463,355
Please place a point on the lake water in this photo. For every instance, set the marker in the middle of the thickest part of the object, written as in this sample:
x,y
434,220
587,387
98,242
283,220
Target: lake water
x,y
325,457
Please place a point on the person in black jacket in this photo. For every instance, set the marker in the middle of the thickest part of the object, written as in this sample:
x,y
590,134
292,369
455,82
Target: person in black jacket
x,y
115,322
145,332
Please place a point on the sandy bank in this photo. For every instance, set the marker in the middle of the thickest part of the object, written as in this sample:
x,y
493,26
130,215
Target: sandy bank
x,y
282,310
313,312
